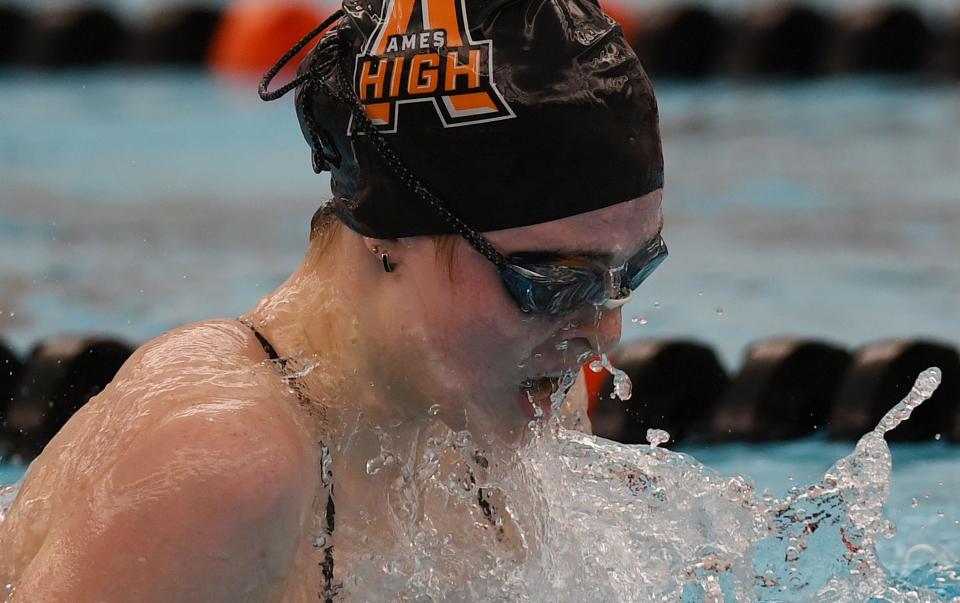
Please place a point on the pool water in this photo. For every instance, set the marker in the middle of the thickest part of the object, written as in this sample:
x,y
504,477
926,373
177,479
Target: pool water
x,y
10,473
134,202
924,495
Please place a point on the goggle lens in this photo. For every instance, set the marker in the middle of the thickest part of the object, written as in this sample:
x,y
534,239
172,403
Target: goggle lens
x,y
555,289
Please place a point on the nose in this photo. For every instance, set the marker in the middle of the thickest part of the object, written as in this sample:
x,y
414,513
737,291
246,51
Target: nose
x,y
600,326
609,329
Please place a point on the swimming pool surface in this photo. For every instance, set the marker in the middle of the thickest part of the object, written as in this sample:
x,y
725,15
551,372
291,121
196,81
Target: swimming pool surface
x,y
133,202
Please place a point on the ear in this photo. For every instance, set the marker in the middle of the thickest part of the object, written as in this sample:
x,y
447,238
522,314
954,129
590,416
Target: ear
x,y
374,245
381,248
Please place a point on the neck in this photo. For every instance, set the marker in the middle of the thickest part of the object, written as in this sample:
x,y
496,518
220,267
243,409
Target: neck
x,y
319,321
390,467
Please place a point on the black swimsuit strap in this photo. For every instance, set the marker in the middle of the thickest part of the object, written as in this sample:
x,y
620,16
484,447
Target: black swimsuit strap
x,y
267,346
272,353
327,564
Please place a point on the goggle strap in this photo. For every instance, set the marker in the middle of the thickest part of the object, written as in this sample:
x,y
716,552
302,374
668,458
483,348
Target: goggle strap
x,y
392,159
476,240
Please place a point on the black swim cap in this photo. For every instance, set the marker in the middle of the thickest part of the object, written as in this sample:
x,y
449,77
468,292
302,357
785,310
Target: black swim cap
x,y
512,112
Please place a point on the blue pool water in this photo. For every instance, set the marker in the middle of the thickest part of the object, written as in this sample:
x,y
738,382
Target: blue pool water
x,y
132,202
10,473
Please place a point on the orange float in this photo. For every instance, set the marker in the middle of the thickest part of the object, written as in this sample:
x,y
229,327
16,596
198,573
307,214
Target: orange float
x,y
596,382
254,34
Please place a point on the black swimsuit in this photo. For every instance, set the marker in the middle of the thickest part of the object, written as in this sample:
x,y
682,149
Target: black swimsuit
x,y
327,564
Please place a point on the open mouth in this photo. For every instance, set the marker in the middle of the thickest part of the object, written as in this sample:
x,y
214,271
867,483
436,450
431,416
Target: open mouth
x,y
535,396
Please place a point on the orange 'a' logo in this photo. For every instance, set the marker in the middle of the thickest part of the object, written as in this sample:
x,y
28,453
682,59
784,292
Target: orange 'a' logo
x,y
438,62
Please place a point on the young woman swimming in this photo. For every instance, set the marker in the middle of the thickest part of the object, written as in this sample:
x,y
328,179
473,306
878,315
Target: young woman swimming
x,y
497,178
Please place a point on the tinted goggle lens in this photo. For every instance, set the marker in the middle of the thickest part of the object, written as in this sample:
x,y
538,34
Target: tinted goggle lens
x,y
646,268
537,295
551,289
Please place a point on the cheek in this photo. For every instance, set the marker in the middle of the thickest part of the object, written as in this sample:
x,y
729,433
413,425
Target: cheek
x,y
478,329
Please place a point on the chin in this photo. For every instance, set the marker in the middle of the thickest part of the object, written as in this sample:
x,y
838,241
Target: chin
x,y
499,420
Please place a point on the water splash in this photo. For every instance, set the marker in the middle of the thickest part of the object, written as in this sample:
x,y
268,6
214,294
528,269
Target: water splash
x,y
714,539
576,517
656,437
607,521
622,386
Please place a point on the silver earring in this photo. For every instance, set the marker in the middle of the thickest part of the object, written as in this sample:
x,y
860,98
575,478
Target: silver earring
x,y
384,257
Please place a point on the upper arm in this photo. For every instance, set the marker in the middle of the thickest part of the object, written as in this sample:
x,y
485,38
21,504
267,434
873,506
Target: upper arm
x,y
201,508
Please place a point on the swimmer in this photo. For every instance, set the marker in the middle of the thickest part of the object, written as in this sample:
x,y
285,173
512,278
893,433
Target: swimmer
x,y
497,176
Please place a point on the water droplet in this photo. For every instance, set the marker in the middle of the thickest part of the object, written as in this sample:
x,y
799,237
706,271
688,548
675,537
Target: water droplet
x,y
937,437
656,437
434,410
657,305
639,320
719,311
622,386
914,503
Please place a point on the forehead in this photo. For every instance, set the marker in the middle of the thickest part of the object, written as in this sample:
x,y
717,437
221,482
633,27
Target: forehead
x,y
617,230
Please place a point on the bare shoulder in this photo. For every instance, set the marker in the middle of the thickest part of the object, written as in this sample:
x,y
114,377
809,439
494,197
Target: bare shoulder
x,y
190,464
194,353
203,377
199,508
205,388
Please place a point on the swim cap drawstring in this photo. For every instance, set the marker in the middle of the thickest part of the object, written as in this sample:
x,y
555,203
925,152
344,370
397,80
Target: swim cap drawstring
x,y
325,152
389,155
265,93
314,77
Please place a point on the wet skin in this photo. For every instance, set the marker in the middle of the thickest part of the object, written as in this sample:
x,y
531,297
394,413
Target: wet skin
x,y
194,475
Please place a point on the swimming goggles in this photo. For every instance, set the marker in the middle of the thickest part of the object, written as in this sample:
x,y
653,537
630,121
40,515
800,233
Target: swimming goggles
x,y
554,286
540,284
